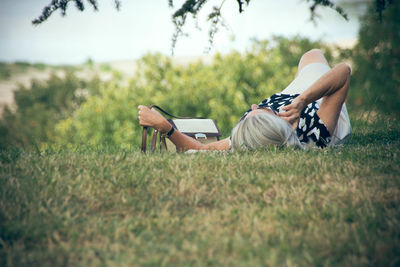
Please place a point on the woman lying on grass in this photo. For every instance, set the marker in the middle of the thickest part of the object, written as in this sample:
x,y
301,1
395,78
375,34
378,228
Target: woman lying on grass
x,y
309,112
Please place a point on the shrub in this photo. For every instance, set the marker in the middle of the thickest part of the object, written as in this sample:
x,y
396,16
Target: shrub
x,y
5,71
376,72
39,107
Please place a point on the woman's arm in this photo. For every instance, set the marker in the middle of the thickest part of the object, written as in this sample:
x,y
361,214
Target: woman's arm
x,y
152,118
332,87
327,85
184,142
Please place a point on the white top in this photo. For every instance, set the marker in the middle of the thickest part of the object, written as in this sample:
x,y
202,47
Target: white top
x,y
307,76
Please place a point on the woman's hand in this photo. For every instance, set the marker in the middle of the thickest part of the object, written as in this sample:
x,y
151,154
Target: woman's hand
x,y
152,118
292,112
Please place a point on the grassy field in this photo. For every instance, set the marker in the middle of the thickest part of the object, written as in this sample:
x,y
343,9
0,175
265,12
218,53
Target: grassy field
x,y
116,207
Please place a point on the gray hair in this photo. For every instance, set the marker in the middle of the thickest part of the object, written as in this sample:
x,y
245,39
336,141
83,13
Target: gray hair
x,y
261,130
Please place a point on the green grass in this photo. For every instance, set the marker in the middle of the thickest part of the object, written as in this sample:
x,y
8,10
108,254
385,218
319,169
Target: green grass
x,y
94,206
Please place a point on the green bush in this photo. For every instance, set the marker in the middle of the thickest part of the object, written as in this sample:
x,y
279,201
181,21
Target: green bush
x,y
222,90
39,107
5,71
376,74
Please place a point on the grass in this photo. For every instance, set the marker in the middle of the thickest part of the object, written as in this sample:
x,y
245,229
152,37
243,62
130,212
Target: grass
x,y
94,206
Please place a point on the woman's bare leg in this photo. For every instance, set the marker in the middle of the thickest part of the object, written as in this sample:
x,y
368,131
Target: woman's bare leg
x,y
331,105
332,87
312,56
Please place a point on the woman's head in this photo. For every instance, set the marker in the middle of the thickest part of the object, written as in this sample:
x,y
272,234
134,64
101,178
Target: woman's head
x,y
262,128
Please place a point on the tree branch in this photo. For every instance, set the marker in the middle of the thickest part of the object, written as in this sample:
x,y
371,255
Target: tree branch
x,y
62,5
193,7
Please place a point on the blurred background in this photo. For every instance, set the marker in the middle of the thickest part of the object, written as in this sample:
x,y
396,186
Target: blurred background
x,y
145,26
77,79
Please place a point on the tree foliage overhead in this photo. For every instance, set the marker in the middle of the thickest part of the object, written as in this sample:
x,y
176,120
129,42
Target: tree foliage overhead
x,y
193,8
62,5
179,17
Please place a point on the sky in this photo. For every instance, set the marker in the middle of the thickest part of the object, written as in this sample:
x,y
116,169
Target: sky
x,y
145,26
